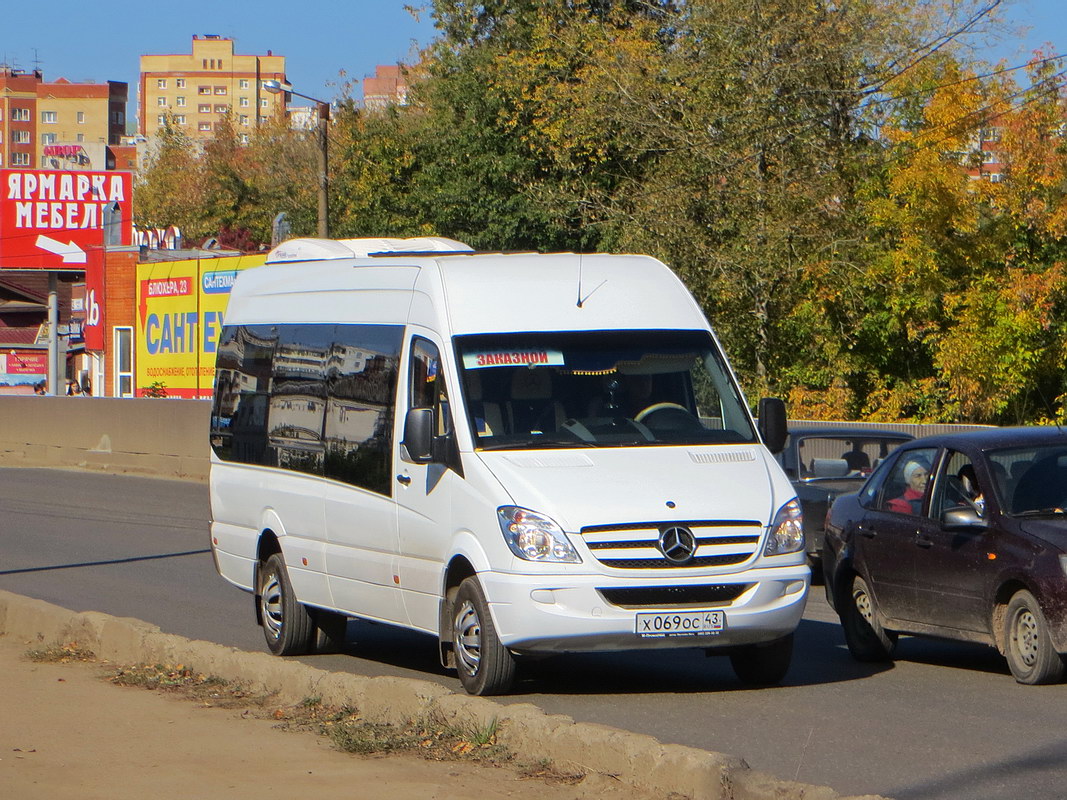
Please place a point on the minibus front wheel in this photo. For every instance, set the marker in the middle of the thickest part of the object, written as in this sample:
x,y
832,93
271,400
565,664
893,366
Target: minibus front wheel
x,y
287,623
484,665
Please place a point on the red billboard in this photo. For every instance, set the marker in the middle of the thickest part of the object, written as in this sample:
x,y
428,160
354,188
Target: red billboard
x,y
50,219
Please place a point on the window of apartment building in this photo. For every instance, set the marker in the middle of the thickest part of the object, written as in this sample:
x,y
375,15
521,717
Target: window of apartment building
x,y
243,83
48,138
203,90
48,117
20,159
1,159
244,102
120,117
20,115
1,115
161,101
80,137
221,108
20,137
243,119
161,119
989,157
244,138
123,350
262,120
179,118
220,90
204,108
81,117
179,101
204,126
263,103
179,82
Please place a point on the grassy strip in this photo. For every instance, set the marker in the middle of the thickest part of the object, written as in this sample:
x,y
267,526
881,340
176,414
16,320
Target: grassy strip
x,y
432,737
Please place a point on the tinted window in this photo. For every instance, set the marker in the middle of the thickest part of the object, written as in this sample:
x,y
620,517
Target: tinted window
x,y
311,398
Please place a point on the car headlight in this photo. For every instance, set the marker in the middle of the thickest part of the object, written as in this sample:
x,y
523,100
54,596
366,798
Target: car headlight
x,y
787,530
535,537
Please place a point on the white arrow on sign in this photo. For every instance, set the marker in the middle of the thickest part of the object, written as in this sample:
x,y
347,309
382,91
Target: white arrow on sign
x,y
71,253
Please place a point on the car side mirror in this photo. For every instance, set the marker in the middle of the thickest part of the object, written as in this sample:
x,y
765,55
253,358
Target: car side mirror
x,y
963,519
772,423
418,435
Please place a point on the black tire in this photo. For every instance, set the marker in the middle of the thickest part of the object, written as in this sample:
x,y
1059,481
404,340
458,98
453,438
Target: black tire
x,y
485,666
864,635
1027,645
763,664
287,623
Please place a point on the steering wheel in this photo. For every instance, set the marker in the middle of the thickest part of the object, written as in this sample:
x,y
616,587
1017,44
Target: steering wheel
x,y
655,407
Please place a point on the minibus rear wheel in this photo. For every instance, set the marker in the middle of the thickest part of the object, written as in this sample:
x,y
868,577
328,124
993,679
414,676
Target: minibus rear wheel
x,y
485,666
287,624
763,664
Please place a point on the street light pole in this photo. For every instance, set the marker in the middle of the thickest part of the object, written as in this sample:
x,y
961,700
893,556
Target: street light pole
x,y
323,108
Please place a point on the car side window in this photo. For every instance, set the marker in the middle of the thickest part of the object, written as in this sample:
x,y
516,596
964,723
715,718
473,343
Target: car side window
x,y
957,486
906,482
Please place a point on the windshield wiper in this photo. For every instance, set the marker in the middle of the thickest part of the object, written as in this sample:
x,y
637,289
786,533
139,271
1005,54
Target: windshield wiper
x,y
1042,512
537,443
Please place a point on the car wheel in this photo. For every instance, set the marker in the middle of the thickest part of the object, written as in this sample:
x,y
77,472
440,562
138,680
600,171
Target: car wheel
x,y
485,666
864,635
763,664
1027,645
287,624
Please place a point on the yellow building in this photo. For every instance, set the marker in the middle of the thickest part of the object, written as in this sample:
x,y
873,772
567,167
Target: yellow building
x,y
78,124
197,89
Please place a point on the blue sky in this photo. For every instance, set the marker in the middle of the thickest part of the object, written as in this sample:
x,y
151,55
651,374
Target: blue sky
x,y
319,38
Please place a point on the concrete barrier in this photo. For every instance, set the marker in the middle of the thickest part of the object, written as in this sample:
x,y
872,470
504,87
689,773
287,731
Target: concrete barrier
x,y
597,750
143,436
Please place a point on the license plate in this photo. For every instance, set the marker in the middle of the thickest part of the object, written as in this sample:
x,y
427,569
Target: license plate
x,y
681,623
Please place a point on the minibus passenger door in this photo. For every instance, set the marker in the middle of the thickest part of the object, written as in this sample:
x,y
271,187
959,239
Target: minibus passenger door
x,y
427,463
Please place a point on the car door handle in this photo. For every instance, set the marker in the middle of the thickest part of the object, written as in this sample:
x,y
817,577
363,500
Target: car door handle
x,y
924,542
404,479
866,530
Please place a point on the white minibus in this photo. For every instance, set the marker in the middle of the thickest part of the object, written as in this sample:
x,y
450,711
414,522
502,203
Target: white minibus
x,y
517,454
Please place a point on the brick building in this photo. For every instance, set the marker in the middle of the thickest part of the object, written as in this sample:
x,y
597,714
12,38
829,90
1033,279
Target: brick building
x,y
60,125
198,88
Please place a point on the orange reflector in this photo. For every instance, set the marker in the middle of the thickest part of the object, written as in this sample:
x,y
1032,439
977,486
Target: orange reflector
x,y
396,579
991,556
304,561
214,540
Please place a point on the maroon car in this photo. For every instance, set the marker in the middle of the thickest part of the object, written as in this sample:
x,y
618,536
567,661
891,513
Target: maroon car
x,y
961,536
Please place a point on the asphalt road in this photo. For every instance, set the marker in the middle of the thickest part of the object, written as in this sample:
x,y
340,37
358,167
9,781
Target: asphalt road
x,y
944,721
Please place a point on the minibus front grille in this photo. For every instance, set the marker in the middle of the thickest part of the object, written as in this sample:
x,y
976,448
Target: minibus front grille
x,y
674,596
715,543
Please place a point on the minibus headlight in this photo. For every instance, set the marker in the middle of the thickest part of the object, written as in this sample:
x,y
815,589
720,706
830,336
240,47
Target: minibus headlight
x,y
787,530
534,537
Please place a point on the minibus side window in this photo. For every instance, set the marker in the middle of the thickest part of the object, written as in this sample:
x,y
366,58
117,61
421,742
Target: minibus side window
x,y
427,384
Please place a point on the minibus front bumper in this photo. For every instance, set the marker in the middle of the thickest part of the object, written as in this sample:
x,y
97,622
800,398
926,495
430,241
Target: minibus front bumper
x,y
537,614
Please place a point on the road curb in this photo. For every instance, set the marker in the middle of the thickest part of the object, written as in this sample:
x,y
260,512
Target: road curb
x,y
634,759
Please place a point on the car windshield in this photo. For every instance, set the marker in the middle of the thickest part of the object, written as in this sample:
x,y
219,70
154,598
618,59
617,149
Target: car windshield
x,y
599,389
826,457
1031,481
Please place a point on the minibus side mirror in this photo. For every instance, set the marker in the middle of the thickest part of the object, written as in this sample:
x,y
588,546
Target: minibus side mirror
x,y
418,434
772,424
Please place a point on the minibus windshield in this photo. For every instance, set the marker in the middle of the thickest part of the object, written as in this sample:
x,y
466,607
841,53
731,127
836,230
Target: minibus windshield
x,y
599,389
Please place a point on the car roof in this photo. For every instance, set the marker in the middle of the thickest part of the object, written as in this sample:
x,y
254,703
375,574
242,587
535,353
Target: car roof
x,y
849,433
996,438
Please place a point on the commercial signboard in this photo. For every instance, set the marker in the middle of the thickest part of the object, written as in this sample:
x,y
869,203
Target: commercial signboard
x,y
21,369
50,219
180,310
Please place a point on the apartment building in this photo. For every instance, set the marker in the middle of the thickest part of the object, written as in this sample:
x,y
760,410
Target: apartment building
x,y
60,125
197,89
388,87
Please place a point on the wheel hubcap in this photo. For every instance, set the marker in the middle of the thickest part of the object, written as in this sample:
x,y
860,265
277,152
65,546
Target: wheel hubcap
x,y
863,605
1025,637
467,636
270,605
